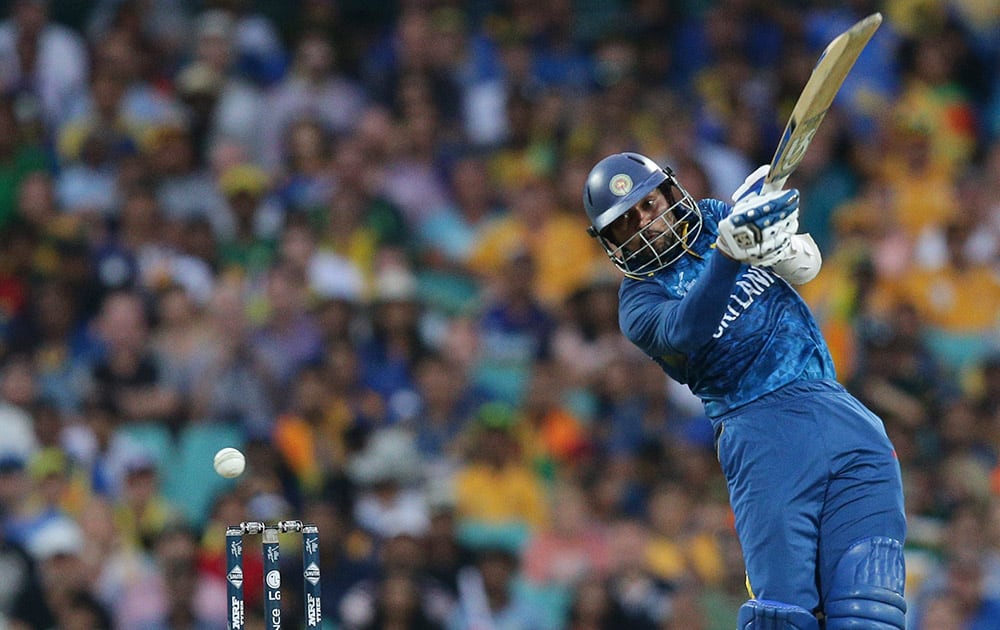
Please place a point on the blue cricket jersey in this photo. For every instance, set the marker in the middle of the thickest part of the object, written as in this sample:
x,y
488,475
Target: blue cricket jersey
x,y
731,332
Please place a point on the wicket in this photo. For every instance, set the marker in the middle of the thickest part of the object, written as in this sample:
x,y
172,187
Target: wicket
x,y
272,571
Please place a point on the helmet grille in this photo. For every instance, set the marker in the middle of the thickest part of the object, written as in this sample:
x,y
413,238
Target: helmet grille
x,y
661,242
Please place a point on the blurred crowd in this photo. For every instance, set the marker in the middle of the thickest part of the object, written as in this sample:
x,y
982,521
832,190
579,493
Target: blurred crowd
x,y
347,237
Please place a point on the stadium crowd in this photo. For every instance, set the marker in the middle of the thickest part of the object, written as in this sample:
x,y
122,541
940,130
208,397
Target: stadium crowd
x,y
347,237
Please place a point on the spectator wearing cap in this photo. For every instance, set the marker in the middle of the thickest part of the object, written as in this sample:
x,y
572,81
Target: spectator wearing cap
x,y
141,512
249,242
497,494
446,554
396,342
185,188
46,63
58,547
257,45
59,486
198,85
92,146
235,104
390,476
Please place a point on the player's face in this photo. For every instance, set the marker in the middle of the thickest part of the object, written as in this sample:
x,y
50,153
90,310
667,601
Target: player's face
x,y
648,225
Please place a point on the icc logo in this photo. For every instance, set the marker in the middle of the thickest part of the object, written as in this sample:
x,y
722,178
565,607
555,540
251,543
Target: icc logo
x,y
312,545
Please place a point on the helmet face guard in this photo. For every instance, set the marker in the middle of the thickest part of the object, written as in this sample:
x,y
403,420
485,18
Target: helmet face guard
x,y
619,182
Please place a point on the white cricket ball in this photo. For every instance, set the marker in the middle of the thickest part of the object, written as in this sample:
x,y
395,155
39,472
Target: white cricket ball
x,y
229,462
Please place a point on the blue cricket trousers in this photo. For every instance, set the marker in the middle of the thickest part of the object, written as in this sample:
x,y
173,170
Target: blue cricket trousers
x,y
810,471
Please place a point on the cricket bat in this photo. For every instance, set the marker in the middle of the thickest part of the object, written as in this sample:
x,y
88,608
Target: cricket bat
x,y
816,98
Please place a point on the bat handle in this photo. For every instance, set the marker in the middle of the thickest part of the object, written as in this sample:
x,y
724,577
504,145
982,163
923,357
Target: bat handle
x,y
772,185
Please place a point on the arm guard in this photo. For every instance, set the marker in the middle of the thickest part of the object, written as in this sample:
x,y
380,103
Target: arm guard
x,y
802,262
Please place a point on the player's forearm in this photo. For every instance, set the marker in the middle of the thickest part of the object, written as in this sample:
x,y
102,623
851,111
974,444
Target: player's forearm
x,y
697,316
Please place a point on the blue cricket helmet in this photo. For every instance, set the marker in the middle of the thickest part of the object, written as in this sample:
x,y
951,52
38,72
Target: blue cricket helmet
x,y
619,182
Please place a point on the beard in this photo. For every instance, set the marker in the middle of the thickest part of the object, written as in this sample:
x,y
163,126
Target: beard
x,y
650,243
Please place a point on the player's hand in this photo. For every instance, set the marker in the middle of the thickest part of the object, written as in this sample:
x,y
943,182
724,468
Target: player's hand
x,y
753,184
760,228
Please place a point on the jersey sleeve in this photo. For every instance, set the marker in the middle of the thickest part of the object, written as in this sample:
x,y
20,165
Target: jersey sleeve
x,y
661,325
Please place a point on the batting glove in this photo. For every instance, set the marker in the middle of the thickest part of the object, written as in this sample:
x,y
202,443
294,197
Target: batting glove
x,y
760,228
753,184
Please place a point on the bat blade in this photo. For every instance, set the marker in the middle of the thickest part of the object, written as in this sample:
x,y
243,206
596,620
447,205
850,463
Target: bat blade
x,y
832,68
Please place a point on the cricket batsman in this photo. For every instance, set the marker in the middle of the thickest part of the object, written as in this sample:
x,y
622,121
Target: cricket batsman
x,y
813,478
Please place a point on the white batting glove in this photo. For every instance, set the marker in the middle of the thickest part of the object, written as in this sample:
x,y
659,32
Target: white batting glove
x,y
760,228
753,184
